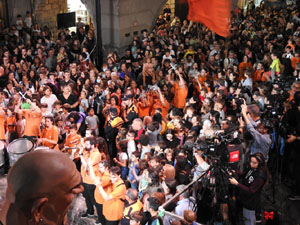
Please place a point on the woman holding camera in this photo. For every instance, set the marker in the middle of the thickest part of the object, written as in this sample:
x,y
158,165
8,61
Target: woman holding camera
x,y
250,186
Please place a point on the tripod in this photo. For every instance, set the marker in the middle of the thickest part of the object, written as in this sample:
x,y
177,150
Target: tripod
x,y
217,176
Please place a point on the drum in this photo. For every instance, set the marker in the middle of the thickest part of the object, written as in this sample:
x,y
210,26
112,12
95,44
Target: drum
x,y
41,148
17,148
2,146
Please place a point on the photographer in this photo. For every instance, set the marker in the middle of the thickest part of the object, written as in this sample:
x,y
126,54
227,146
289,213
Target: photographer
x,y
250,186
261,139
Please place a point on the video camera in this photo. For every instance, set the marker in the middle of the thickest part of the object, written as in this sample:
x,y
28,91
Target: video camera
x,y
223,148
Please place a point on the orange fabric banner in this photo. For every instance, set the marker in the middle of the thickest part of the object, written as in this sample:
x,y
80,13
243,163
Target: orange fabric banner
x,y
215,14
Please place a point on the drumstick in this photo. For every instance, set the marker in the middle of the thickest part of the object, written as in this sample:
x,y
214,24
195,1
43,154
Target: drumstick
x,y
22,95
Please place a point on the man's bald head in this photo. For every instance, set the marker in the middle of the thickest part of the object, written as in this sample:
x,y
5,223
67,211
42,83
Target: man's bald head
x,y
40,187
132,194
38,173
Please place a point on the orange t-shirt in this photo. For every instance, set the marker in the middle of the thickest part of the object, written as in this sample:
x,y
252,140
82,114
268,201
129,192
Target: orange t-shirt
x,y
263,78
143,109
2,129
33,123
51,134
164,108
113,209
202,79
72,141
95,156
107,187
294,61
180,94
10,120
257,75
243,66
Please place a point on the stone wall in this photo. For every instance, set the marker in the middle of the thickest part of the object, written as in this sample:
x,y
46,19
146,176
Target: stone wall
x,y
122,18
16,7
137,15
46,12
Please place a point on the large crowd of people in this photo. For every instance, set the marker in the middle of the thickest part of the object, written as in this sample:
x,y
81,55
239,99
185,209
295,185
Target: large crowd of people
x,y
180,101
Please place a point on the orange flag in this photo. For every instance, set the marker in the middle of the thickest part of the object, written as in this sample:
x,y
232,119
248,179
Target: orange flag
x,y
215,14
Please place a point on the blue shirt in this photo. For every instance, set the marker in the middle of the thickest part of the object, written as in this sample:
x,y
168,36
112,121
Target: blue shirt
x,y
261,142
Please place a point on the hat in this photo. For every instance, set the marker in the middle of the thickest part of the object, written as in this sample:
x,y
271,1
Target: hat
x,y
127,97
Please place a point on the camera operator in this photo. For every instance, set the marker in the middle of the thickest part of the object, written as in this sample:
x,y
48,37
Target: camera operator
x,y
201,166
250,186
261,139
212,185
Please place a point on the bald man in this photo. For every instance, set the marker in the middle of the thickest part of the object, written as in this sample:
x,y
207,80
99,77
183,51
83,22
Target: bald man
x,y
40,188
134,205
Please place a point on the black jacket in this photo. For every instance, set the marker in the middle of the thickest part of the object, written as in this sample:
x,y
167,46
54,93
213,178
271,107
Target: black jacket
x,y
250,188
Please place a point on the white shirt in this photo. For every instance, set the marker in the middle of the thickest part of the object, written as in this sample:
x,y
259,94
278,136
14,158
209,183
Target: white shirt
x,y
131,148
49,101
28,21
122,156
167,57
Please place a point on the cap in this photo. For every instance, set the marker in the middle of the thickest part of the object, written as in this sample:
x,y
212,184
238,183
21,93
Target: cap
x,y
126,97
